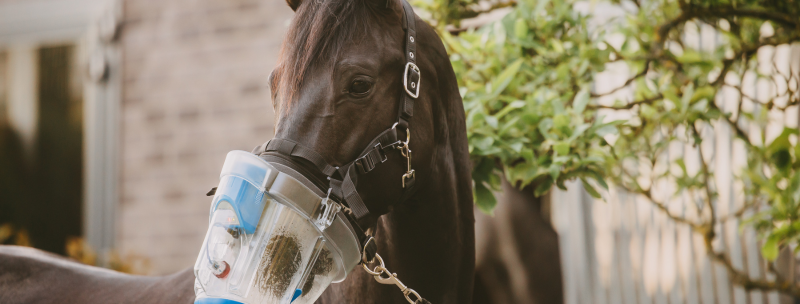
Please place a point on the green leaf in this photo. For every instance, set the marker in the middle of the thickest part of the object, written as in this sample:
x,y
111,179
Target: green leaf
x,y
686,98
579,131
589,188
781,158
516,147
557,46
690,56
561,148
606,129
599,178
491,121
520,28
770,249
561,121
510,107
484,143
581,100
484,199
555,171
782,141
502,80
706,92
543,187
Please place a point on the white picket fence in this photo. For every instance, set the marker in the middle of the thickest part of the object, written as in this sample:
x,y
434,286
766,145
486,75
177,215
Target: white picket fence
x,y
626,251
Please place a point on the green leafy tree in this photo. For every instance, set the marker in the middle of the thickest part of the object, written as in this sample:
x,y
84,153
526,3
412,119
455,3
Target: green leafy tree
x,y
535,117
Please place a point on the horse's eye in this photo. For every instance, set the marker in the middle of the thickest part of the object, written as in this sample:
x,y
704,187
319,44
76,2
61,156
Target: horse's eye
x,y
360,87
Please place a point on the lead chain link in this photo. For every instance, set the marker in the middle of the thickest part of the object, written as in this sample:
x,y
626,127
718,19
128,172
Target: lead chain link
x,y
384,276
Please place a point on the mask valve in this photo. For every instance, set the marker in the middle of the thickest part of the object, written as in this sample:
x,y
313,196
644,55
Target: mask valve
x,y
220,270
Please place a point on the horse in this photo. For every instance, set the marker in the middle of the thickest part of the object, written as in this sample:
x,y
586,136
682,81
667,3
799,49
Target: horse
x,y
517,258
30,275
336,87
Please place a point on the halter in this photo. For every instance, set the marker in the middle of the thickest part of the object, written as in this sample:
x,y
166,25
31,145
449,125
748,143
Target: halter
x,y
342,181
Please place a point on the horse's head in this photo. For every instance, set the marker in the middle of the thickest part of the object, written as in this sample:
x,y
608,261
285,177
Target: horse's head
x,y
339,84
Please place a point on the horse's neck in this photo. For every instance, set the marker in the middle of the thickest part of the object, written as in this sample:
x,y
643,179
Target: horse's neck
x,y
428,241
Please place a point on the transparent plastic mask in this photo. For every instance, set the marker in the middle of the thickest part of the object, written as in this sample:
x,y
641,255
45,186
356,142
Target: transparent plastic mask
x,y
268,265
284,257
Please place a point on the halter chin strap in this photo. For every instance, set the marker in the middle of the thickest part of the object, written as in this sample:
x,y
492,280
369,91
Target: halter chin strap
x,y
343,185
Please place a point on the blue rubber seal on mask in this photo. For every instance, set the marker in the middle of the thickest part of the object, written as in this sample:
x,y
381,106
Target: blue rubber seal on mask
x,y
215,301
247,201
241,185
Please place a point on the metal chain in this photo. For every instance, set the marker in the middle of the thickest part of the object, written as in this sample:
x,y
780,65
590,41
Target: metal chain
x,y
384,276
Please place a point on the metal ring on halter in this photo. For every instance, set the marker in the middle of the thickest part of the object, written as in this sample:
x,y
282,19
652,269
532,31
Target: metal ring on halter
x,y
408,133
378,268
366,247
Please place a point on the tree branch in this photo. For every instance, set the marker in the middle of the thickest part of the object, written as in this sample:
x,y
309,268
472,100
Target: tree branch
x,y
663,207
627,82
471,13
627,106
729,11
706,178
748,283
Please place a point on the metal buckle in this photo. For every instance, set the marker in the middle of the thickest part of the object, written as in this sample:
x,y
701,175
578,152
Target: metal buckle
x,y
415,86
366,163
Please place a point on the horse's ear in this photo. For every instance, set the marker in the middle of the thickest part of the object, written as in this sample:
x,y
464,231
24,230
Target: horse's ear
x,y
293,4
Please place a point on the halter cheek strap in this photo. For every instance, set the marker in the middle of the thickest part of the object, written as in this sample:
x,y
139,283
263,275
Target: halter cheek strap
x,y
411,73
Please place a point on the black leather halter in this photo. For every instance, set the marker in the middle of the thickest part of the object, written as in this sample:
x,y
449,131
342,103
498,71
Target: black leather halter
x,y
342,181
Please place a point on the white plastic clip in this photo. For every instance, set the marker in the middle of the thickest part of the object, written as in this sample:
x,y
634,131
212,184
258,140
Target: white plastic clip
x,y
328,209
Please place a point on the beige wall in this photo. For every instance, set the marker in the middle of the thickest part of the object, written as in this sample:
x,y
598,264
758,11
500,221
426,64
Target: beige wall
x,y
194,88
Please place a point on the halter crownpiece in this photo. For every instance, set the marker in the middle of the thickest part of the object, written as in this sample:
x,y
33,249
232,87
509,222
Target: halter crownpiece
x,y
280,231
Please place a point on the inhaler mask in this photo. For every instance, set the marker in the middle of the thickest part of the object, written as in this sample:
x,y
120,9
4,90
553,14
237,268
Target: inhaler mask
x,y
273,237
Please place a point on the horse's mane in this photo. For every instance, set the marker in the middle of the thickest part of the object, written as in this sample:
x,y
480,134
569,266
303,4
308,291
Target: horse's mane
x,y
319,30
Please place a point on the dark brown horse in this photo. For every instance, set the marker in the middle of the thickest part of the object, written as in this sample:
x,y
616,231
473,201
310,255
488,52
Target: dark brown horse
x,y
517,251
338,85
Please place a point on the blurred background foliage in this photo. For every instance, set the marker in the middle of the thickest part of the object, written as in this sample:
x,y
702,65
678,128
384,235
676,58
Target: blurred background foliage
x,y
536,117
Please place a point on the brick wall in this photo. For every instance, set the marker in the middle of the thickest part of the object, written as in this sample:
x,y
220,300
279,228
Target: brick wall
x,y
194,88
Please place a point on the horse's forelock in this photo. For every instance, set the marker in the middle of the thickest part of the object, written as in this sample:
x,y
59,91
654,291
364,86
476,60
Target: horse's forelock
x,y
319,31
